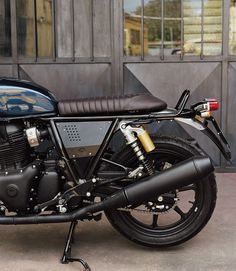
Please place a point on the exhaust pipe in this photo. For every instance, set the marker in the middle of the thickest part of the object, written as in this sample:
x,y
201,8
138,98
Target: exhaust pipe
x,y
185,173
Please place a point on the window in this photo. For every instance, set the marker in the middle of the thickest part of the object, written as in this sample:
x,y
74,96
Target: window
x,y
5,28
132,24
203,27
169,27
152,27
25,28
64,29
232,28
34,28
44,28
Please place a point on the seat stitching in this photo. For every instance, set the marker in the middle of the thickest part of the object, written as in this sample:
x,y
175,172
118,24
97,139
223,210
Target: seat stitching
x,y
95,102
89,105
82,102
107,104
76,106
114,104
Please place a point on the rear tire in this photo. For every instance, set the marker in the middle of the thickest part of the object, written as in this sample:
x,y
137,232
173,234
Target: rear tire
x,y
169,150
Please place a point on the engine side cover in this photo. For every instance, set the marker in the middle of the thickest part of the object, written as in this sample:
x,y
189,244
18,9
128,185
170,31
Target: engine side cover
x,y
15,187
20,98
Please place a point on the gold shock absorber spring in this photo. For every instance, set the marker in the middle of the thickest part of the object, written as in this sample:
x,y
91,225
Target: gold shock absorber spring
x,y
132,134
141,157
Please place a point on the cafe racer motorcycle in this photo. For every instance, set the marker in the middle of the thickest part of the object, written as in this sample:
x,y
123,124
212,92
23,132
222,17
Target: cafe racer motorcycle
x,y
58,164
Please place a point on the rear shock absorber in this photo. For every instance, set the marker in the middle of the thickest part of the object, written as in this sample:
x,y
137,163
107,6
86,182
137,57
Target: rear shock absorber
x,y
142,157
131,134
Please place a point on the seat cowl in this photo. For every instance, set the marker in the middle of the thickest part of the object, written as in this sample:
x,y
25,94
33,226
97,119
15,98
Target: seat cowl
x,y
142,103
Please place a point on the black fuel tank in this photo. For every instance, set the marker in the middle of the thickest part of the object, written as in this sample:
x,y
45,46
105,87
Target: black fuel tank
x,y
19,98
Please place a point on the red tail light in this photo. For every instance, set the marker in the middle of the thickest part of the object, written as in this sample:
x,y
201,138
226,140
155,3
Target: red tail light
x,y
205,107
213,104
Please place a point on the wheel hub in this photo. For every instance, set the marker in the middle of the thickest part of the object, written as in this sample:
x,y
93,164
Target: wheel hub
x,y
163,203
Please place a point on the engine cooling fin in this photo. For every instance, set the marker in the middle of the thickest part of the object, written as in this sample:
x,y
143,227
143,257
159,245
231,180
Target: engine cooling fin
x,y
14,149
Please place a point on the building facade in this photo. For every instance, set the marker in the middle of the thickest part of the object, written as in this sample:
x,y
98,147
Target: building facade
x,y
83,48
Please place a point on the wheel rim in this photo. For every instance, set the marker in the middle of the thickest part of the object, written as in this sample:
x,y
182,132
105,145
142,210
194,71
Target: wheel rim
x,y
185,217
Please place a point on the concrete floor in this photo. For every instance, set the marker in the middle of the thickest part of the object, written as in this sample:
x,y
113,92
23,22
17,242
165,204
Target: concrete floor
x,y
33,248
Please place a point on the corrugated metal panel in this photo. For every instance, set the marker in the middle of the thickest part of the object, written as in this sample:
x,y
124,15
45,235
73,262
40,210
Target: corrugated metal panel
x,y
6,71
71,81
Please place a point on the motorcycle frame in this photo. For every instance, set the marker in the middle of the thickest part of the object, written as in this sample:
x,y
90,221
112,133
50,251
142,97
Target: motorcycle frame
x,y
179,114
185,116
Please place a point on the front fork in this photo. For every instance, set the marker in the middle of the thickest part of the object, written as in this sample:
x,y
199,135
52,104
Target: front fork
x,y
135,134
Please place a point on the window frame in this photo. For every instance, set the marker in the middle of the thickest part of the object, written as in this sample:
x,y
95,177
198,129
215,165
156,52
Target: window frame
x,y
181,56
15,58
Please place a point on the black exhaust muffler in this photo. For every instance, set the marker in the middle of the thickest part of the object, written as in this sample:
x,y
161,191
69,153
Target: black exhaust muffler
x,y
185,173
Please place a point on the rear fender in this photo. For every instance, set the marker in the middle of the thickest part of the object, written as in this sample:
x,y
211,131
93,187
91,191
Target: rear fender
x,y
222,144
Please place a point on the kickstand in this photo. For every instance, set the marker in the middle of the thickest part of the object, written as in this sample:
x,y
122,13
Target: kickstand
x,y
66,258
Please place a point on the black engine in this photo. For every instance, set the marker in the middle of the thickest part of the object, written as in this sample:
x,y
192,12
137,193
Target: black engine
x,y
28,176
15,151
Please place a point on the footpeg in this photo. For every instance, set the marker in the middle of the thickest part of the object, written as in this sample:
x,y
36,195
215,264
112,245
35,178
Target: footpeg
x,y
97,217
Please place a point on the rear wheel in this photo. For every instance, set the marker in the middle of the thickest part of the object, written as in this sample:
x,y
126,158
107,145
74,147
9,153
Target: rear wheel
x,y
174,217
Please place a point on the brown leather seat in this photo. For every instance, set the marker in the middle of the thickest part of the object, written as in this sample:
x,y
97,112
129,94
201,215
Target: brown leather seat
x,y
111,105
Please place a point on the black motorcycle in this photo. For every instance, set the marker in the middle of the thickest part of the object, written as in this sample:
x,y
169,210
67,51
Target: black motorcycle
x,y
61,162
